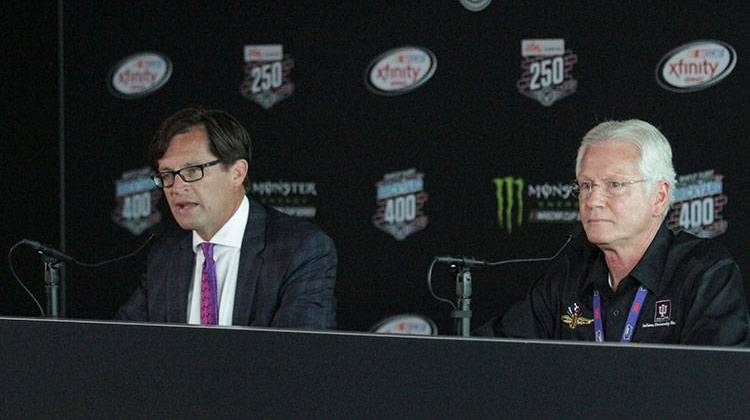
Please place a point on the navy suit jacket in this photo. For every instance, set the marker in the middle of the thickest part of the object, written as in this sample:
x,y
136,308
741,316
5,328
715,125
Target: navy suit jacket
x,y
286,275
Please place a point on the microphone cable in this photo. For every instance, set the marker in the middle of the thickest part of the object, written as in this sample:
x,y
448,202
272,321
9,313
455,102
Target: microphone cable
x,y
44,250
456,261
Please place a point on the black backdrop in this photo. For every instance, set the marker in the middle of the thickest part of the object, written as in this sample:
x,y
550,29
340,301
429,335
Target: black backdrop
x,y
462,129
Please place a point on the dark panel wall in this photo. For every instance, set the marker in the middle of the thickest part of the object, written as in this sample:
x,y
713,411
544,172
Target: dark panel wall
x,y
29,145
462,129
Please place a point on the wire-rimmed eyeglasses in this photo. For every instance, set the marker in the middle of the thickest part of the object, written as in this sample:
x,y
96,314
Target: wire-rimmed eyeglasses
x,y
610,187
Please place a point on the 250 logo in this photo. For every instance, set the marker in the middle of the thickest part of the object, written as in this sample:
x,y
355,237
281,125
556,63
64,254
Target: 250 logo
x,y
265,77
547,72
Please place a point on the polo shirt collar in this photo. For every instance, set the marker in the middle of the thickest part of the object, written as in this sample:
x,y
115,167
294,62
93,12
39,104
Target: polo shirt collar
x,y
647,272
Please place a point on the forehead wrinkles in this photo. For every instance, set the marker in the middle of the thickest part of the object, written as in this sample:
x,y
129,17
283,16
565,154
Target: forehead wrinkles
x,y
609,161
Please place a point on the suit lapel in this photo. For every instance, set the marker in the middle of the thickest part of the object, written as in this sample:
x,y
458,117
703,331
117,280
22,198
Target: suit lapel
x,y
180,276
251,263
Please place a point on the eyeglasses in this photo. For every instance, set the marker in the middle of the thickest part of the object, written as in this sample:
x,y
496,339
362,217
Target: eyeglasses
x,y
188,174
611,188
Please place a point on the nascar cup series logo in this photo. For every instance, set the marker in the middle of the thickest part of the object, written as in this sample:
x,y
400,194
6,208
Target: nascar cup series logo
x,y
400,70
475,5
695,66
401,198
267,74
698,202
139,75
292,198
547,202
547,70
136,196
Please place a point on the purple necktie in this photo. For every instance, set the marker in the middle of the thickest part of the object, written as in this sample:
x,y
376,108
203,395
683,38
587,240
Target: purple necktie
x,y
209,306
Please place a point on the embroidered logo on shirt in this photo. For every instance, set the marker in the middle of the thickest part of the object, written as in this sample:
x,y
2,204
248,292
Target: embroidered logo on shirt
x,y
662,315
574,318
663,311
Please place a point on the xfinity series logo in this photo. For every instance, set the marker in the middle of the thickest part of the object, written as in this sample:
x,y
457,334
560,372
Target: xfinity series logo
x,y
400,199
136,196
698,203
547,70
400,70
695,66
267,71
139,75
292,198
547,202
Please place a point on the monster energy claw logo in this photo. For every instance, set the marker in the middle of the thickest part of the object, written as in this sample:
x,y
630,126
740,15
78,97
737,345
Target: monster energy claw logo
x,y
509,193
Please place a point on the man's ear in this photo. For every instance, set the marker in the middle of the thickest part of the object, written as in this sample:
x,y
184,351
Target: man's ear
x,y
239,171
661,198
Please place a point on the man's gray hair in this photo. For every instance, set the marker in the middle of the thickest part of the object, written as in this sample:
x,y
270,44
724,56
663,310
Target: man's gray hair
x,y
655,163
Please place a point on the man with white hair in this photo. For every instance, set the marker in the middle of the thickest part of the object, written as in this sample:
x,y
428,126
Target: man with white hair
x,y
632,279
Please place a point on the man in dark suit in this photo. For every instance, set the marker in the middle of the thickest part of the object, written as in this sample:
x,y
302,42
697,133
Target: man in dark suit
x,y
234,261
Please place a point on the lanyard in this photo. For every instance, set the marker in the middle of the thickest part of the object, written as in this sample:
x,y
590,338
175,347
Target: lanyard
x,y
635,311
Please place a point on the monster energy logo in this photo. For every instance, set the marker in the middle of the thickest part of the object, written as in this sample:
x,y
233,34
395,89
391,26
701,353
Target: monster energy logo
x,y
509,198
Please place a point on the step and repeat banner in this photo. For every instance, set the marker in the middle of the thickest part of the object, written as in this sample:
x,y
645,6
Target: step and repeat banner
x,y
405,130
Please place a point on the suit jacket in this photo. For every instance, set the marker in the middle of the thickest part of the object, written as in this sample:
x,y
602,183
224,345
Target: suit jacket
x,y
286,275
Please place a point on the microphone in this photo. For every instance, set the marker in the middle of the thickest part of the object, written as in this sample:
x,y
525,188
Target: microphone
x,y
464,261
50,269
471,262
461,310
48,251
59,255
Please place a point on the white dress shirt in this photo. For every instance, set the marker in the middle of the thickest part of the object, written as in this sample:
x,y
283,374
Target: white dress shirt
x,y
228,241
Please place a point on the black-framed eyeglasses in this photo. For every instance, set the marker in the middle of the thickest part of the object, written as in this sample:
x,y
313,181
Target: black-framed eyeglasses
x,y
188,174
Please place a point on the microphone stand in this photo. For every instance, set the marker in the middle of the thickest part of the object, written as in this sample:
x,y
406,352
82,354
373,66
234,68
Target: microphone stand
x,y
462,312
51,284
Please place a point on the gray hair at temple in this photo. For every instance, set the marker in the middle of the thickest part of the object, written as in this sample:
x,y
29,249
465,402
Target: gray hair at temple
x,y
655,163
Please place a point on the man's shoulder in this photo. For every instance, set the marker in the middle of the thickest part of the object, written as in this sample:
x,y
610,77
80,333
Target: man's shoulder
x,y
283,227
686,247
690,257
169,238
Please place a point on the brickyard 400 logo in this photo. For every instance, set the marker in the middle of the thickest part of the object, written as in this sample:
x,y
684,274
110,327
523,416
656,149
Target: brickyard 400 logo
x,y
401,198
699,200
547,202
136,198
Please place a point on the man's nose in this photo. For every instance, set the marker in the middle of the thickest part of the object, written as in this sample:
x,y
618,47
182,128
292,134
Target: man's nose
x,y
595,197
179,184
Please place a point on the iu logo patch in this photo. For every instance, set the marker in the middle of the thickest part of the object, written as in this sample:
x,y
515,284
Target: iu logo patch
x,y
663,311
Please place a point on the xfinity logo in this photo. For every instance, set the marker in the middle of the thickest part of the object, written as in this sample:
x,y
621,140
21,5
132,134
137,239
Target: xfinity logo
x,y
400,70
695,66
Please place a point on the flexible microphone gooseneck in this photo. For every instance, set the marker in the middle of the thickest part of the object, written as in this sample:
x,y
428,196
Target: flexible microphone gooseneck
x,y
59,256
471,262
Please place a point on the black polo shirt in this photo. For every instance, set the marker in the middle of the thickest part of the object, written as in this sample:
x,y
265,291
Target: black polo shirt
x,y
695,296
